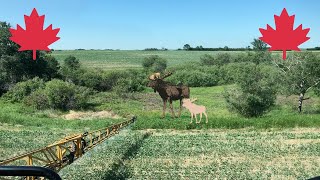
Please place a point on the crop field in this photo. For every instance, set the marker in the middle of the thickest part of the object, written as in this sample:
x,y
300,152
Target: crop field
x,y
106,59
206,154
23,130
128,59
282,144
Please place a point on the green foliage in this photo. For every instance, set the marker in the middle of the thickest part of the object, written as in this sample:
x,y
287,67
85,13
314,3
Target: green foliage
x,y
223,58
300,73
22,89
121,148
208,60
133,81
194,78
72,62
154,63
63,95
37,99
71,70
220,59
259,45
255,93
7,47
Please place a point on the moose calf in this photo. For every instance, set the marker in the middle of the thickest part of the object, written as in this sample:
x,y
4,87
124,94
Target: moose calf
x,y
194,109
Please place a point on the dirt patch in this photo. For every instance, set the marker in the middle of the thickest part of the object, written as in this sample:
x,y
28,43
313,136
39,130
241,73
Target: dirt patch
x,y
90,115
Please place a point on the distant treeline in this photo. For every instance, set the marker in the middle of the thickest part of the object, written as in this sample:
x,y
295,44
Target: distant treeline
x,y
156,49
313,49
218,49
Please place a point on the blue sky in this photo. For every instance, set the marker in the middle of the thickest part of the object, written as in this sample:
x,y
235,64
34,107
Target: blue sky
x,y
139,24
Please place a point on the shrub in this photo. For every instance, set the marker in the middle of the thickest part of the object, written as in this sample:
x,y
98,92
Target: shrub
x,y
37,99
63,95
223,58
194,78
111,78
71,70
255,93
135,81
91,79
154,64
72,62
207,60
23,89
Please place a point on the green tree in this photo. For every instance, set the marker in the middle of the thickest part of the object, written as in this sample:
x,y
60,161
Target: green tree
x,y
154,63
186,47
258,45
7,47
255,92
17,66
300,74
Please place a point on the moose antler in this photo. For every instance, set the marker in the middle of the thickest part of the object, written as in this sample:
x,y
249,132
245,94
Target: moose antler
x,y
167,75
154,76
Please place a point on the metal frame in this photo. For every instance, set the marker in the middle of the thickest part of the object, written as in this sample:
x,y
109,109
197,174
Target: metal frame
x,y
64,152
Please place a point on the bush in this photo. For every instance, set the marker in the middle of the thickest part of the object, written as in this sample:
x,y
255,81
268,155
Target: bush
x,y
91,79
195,78
63,95
72,62
71,70
255,93
37,99
207,60
154,64
22,89
223,58
135,81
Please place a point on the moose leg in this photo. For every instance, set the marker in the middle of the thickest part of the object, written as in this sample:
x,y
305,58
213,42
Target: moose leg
x,y
171,107
196,118
200,117
164,108
206,116
191,118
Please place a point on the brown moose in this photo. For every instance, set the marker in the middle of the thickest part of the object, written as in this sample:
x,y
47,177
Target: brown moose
x,y
169,92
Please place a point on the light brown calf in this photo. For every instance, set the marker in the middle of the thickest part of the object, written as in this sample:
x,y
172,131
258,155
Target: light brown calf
x,y
194,109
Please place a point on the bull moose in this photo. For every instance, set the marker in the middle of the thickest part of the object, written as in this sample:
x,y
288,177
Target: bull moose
x,y
169,92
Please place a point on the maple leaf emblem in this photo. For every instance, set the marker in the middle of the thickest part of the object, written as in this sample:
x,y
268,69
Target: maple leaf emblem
x,y
34,37
284,37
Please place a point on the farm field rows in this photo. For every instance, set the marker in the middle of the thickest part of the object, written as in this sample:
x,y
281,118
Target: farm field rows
x,y
123,59
202,154
22,130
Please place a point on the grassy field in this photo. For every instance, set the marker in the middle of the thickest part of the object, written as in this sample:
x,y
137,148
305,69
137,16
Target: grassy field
x,y
205,154
23,129
106,59
282,144
19,125
129,59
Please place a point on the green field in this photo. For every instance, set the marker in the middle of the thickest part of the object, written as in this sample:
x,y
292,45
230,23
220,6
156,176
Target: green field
x,y
128,59
23,129
106,59
205,154
282,144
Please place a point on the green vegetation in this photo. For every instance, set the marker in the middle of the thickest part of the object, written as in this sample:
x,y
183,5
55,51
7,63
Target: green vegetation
x,y
206,154
108,60
255,94
23,129
37,95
